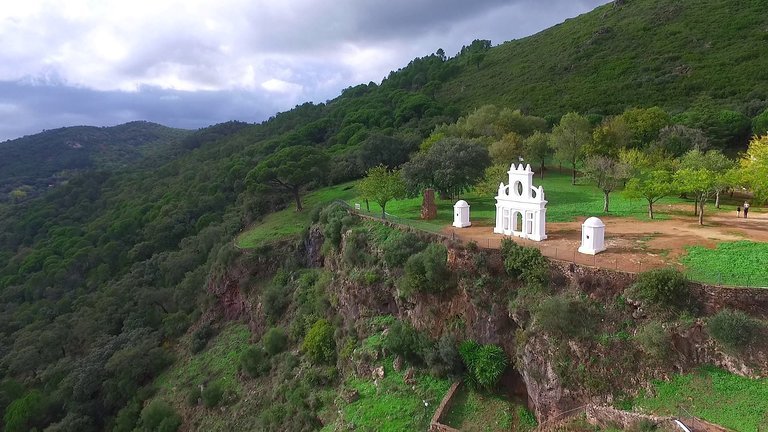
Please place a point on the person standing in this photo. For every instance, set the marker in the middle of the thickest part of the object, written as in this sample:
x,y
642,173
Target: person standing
x,y
746,209
738,211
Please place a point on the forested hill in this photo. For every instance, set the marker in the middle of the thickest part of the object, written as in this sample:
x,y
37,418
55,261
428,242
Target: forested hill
x,y
32,163
642,53
103,278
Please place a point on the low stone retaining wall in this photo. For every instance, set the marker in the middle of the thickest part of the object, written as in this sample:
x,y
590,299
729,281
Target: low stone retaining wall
x,y
445,404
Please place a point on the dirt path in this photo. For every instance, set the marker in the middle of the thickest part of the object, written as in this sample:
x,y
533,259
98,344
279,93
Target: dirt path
x,y
634,245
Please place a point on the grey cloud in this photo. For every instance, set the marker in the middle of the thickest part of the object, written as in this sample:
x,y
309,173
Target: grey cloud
x,y
38,107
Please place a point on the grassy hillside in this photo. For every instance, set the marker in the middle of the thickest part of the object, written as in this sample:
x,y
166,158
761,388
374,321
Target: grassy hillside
x,y
644,53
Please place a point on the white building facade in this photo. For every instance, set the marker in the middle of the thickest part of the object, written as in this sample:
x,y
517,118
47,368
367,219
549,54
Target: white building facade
x,y
592,236
521,209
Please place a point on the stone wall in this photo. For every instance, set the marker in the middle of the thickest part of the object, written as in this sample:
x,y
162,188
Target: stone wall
x,y
445,404
610,417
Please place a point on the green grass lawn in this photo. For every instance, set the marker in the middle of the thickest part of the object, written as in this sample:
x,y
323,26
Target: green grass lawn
x,y
714,395
566,203
393,405
472,411
741,263
289,222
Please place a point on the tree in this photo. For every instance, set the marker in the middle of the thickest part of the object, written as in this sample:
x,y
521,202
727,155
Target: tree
x,y
645,124
676,140
537,149
651,185
494,175
651,176
703,175
607,173
760,123
506,150
450,166
291,169
381,186
569,138
754,167
609,138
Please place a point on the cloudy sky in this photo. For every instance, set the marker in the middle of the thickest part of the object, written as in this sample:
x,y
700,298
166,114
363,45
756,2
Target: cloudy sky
x,y
192,63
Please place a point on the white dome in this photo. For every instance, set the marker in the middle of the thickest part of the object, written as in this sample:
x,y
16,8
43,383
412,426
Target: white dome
x,y
461,204
594,222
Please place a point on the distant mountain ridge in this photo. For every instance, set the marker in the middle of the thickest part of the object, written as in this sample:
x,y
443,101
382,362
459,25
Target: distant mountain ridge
x,y
32,163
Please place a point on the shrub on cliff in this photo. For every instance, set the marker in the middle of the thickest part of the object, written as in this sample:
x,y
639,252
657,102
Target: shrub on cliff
x,y
404,340
336,220
200,338
319,343
274,340
654,340
485,363
571,317
525,263
735,330
160,416
666,288
254,361
399,246
427,271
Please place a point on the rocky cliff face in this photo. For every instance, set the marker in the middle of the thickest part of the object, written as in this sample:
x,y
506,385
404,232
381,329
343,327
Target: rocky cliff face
x,y
556,374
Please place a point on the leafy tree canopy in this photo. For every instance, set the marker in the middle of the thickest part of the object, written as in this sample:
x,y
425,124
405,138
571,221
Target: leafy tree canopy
x,y
291,169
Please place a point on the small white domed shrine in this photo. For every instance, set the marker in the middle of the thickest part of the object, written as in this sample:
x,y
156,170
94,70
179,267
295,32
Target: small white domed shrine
x,y
461,214
592,236
521,209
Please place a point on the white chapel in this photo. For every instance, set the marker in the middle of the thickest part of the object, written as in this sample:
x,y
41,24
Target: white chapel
x,y
521,209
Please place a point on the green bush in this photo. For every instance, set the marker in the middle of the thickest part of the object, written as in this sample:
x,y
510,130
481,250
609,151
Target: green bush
x,y
159,416
212,394
398,247
336,220
485,363
565,316
654,340
355,248
426,271
275,340
200,338
525,263
733,329
404,340
27,412
254,361
666,288
319,344
276,298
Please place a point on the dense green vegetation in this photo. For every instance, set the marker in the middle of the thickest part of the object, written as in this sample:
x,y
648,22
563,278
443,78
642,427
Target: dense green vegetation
x,y
108,282
643,53
32,163
741,263
712,394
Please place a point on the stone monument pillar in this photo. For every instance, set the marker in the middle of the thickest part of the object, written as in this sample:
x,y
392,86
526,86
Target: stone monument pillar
x,y
428,207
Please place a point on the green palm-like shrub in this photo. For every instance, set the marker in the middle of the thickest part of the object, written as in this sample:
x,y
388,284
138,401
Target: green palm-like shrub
x,y
485,363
